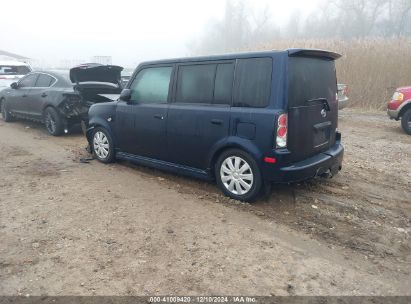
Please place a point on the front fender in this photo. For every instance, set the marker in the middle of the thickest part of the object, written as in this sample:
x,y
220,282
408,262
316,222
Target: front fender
x,y
98,122
233,142
101,115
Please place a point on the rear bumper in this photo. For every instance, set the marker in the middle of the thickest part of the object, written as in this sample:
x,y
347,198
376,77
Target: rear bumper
x,y
329,161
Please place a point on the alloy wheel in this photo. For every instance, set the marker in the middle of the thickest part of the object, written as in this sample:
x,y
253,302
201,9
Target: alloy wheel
x,y
236,175
101,145
50,123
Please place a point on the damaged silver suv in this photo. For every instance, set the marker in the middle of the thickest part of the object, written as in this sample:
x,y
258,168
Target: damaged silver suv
x,y
58,101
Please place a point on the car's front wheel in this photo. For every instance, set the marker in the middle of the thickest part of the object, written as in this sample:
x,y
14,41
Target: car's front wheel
x,y
406,121
102,145
7,117
238,175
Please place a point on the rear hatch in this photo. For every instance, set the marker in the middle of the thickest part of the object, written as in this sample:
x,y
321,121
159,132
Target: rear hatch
x,y
312,103
97,83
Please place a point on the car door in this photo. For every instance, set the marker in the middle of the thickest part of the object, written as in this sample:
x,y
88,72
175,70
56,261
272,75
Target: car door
x,y
39,94
17,98
199,116
141,122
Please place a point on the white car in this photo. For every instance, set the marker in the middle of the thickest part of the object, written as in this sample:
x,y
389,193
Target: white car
x,y
12,71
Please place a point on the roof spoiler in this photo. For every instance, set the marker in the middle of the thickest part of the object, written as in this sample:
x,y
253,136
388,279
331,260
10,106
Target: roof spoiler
x,y
313,53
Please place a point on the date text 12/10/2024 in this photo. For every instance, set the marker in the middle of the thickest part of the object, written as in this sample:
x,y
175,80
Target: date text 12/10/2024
x,y
202,299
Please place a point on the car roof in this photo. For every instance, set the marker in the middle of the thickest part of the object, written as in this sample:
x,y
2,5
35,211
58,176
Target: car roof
x,y
13,63
230,56
227,56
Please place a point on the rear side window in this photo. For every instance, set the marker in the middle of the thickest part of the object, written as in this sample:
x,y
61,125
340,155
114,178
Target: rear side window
x,y
151,85
28,81
309,79
44,81
205,83
253,82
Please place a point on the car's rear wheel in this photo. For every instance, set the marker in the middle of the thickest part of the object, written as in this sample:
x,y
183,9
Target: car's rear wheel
x,y
7,117
102,145
53,122
406,121
238,175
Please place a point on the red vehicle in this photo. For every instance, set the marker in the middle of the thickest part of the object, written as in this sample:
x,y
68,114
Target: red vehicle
x,y
400,108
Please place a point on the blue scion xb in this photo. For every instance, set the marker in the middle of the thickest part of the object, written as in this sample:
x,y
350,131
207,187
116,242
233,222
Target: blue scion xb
x,y
244,120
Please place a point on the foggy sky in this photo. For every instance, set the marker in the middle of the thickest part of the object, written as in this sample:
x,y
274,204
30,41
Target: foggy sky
x,y
130,31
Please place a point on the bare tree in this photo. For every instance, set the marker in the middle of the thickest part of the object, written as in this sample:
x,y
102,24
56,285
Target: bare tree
x,y
241,27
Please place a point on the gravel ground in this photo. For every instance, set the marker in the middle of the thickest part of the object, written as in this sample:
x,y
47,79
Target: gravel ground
x,y
72,228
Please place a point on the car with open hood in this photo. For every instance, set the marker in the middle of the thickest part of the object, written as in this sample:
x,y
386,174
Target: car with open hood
x,y
61,101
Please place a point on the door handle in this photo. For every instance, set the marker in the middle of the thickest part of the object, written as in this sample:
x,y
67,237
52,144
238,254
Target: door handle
x,y
44,95
216,121
24,95
159,116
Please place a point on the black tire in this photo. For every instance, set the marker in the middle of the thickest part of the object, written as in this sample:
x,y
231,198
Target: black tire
x,y
53,122
406,121
101,141
234,179
7,117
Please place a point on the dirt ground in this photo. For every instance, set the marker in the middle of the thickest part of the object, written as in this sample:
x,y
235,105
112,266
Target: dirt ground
x,y
72,228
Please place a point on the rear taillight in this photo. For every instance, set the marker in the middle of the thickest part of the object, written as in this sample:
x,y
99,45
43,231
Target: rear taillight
x,y
282,130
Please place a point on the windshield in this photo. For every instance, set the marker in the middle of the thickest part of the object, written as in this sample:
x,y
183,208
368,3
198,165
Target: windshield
x,y
311,79
14,70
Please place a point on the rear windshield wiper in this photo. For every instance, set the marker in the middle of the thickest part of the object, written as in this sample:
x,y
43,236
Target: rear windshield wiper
x,y
323,100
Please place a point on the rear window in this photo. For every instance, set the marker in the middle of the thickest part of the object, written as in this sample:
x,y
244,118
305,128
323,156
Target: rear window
x,y
14,70
253,82
309,79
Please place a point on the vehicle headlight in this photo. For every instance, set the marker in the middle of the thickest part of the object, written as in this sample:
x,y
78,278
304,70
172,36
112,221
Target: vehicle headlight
x,y
398,96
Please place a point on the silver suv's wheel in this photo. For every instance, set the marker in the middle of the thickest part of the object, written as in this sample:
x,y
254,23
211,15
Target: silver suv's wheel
x,y
238,175
102,145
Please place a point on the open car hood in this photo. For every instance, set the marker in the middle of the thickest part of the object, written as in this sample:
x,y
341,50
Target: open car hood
x,y
94,72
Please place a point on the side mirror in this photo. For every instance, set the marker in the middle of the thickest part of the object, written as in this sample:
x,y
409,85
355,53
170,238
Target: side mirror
x,y
125,95
14,85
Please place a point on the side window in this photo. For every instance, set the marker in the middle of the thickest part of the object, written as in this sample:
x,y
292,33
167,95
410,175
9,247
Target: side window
x,y
253,82
195,83
224,83
28,81
205,83
151,85
44,81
